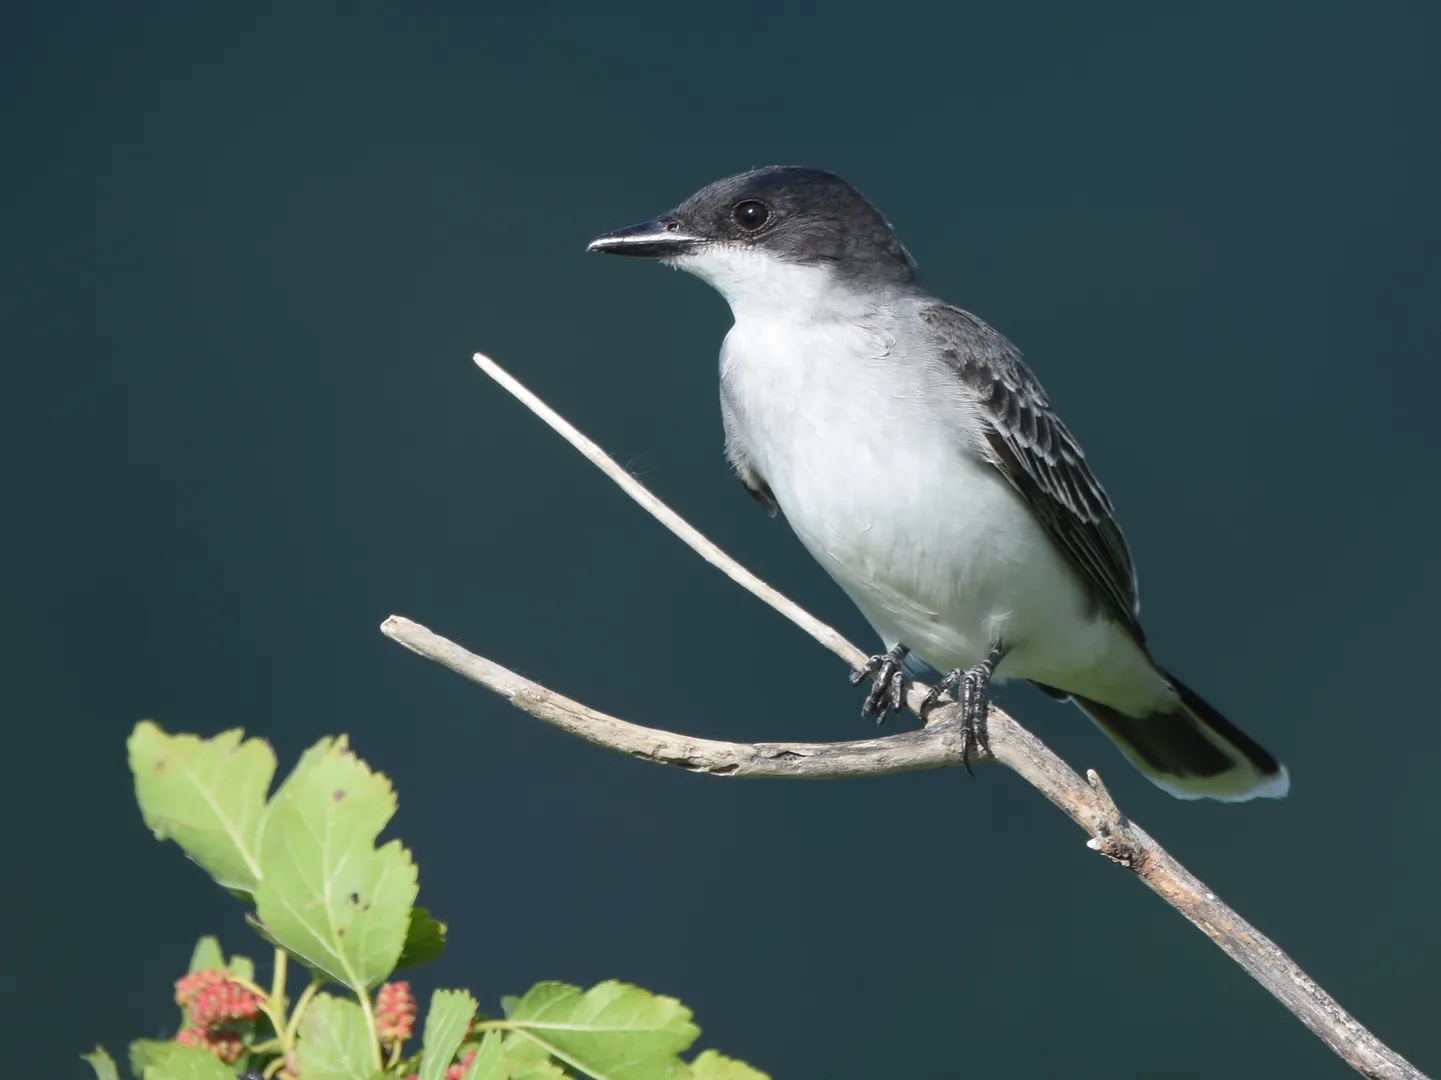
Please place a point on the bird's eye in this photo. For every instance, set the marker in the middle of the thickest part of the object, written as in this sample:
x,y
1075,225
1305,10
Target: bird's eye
x,y
751,214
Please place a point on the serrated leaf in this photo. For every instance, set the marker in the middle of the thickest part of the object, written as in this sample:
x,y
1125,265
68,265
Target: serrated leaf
x,y
613,1031
489,1060
102,1063
334,1041
445,1025
187,1063
424,940
208,795
144,1052
206,956
328,894
713,1066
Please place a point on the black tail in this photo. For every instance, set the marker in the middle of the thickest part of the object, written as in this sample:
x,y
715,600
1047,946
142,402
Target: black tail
x,y
1194,752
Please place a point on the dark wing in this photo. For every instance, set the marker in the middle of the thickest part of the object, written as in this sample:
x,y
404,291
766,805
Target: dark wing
x,y
1028,443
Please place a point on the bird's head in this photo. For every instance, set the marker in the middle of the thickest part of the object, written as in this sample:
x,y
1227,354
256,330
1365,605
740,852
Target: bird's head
x,y
772,233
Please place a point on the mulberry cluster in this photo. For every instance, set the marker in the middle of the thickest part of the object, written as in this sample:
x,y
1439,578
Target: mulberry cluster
x,y
211,1000
224,1003
394,1013
187,986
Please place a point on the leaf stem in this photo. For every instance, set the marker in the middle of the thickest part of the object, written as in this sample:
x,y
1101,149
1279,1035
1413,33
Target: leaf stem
x,y
300,1007
369,1010
277,981
277,1020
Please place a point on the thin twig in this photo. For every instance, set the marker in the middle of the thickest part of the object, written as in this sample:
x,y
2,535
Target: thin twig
x,y
827,635
1086,802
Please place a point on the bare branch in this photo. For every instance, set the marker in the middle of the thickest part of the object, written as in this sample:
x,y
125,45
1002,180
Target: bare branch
x,y
937,745
933,748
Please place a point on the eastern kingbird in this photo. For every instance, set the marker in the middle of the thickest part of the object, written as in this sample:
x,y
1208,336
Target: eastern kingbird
x,y
919,461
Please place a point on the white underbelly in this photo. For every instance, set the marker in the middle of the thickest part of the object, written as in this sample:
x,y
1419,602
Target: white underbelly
x,y
939,553
946,560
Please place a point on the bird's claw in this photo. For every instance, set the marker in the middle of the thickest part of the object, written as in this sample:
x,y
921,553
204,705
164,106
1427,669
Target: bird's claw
x,y
888,683
972,689
949,683
975,705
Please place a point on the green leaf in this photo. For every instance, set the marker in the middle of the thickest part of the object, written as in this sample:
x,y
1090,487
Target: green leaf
x,y
520,1047
613,1031
147,1052
445,1026
261,929
242,967
521,1058
489,1060
206,956
103,1064
187,1063
536,1070
713,1066
334,1041
327,894
424,940
208,795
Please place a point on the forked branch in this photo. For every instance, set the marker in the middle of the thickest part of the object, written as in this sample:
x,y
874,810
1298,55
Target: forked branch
x,y
936,745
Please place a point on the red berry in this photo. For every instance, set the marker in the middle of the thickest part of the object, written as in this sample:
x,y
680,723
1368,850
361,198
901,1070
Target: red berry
x,y
223,1003
394,1012
187,986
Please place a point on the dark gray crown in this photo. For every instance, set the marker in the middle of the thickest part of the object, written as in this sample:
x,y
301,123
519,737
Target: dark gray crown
x,y
814,217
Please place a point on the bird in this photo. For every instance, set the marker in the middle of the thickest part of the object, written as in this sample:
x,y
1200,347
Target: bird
x,y
917,458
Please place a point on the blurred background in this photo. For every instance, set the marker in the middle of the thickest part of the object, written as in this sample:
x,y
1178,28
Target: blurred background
x,y
247,253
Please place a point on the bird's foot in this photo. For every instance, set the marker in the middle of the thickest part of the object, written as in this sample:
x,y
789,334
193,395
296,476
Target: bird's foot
x,y
972,688
888,683
975,705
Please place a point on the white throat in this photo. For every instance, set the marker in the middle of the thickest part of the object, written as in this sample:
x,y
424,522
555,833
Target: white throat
x,y
760,286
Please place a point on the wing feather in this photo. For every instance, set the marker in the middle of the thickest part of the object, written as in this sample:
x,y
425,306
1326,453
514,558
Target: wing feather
x,y
1035,451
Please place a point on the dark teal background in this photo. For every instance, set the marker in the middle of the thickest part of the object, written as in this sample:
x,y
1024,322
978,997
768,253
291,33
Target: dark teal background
x,y
246,256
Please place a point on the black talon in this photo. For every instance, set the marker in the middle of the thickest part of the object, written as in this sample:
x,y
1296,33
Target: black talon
x,y
950,683
974,685
888,683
